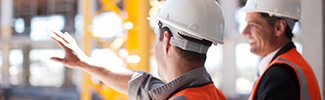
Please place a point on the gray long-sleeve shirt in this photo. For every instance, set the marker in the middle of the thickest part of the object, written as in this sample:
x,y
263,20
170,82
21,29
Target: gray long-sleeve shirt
x,y
143,86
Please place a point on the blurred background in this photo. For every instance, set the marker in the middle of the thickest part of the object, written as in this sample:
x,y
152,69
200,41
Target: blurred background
x,y
116,33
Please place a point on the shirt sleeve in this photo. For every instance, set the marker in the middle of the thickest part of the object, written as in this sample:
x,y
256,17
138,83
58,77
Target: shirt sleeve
x,y
140,84
278,83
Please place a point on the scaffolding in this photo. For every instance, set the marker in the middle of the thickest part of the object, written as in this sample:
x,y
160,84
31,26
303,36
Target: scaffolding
x,y
137,41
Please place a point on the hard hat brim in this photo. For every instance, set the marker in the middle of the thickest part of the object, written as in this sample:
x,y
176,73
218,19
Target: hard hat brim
x,y
246,9
188,32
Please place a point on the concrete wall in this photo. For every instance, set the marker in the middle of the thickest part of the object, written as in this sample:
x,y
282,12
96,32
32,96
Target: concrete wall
x,y
323,44
312,36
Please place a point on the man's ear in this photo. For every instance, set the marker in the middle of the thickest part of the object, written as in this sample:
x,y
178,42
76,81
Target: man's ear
x,y
166,41
280,27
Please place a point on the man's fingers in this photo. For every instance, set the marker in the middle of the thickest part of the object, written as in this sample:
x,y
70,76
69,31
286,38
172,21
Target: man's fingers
x,y
58,60
60,35
60,44
70,38
58,39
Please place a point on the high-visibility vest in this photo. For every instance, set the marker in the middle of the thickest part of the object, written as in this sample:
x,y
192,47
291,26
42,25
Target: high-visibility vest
x,y
309,89
206,92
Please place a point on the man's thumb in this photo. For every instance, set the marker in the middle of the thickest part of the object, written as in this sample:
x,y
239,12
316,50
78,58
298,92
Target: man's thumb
x,y
57,59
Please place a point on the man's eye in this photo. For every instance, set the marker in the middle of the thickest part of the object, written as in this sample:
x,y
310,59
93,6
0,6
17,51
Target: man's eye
x,y
252,25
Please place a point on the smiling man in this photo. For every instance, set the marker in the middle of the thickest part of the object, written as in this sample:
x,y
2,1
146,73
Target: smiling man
x,y
283,73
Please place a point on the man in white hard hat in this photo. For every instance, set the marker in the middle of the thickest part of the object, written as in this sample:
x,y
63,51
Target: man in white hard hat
x,y
283,73
185,29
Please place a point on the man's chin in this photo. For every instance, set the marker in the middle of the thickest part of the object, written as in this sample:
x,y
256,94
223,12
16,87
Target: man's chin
x,y
253,50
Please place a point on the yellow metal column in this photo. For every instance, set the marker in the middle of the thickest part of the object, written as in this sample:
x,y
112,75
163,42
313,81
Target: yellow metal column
x,y
110,5
86,86
138,39
138,42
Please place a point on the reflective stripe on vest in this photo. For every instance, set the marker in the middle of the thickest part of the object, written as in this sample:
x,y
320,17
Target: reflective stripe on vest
x,y
308,85
304,91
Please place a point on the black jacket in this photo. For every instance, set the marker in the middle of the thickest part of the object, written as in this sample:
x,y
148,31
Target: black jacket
x,y
280,81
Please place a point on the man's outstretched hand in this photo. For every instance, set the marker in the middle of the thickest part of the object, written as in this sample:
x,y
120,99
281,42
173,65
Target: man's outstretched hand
x,y
74,56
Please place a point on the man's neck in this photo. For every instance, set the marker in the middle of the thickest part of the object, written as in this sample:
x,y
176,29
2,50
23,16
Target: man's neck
x,y
179,67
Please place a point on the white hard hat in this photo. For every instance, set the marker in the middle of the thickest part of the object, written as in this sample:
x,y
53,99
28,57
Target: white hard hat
x,y
199,19
281,8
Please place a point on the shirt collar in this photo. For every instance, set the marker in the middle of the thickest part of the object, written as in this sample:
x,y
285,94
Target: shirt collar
x,y
195,77
265,61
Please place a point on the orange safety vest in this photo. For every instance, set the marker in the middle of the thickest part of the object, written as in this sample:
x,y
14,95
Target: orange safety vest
x,y
206,92
309,89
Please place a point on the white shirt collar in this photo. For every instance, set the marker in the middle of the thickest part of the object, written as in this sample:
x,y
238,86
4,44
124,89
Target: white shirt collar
x,y
265,61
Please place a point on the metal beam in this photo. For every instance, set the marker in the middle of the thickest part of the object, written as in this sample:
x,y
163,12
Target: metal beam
x,y
26,65
138,37
87,15
110,5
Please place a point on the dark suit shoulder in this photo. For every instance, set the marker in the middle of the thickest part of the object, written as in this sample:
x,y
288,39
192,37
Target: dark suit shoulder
x,y
279,82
